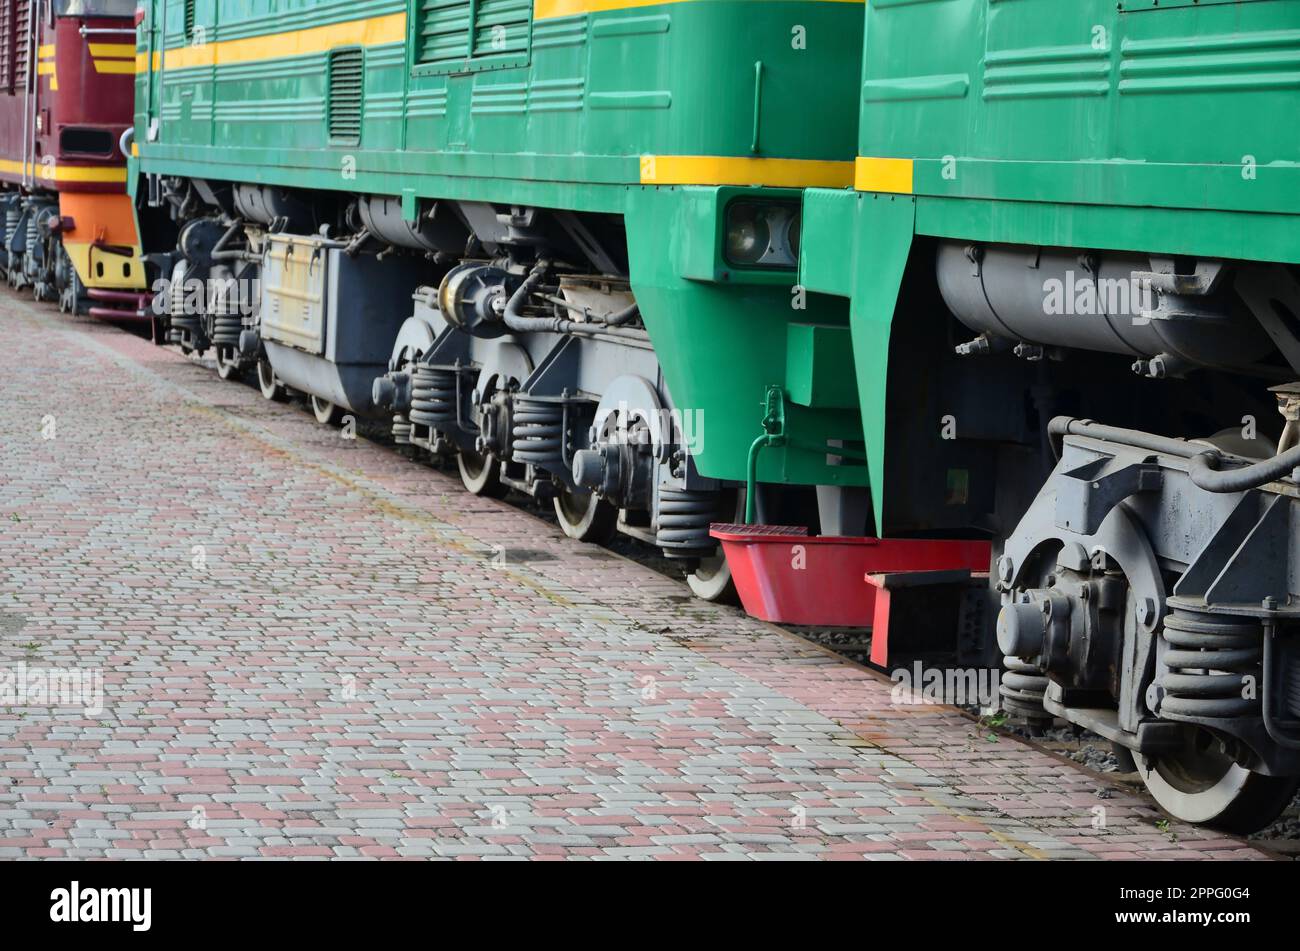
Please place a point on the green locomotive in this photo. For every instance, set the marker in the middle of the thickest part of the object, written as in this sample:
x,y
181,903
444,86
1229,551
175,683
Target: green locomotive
x,y
555,240
629,257
1082,211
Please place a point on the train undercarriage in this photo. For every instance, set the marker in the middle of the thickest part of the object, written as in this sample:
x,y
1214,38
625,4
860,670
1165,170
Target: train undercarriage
x,y
36,232
1145,576
33,256
1149,588
504,340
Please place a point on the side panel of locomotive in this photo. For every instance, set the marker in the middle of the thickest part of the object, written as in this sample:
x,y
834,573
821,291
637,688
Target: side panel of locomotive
x,y
66,86
594,206
1090,210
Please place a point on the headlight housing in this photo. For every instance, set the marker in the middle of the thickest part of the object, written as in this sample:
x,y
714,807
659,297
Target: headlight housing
x,y
762,234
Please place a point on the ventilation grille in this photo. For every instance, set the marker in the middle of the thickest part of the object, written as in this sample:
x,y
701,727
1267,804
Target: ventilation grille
x,y
7,41
501,27
21,43
345,69
189,21
472,32
444,30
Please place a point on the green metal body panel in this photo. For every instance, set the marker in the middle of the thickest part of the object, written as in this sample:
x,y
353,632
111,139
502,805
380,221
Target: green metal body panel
x,y
819,366
728,342
1132,126
561,116
568,128
866,265
1136,104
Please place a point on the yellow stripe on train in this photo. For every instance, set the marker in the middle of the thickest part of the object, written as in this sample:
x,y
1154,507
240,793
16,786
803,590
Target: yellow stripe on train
x,y
65,173
370,31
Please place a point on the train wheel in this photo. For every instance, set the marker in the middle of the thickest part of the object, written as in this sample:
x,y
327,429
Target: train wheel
x,y
326,413
481,474
586,516
228,366
1204,786
267,383
711,580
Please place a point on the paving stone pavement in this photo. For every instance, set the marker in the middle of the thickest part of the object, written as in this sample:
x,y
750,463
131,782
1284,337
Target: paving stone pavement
x,y
312,647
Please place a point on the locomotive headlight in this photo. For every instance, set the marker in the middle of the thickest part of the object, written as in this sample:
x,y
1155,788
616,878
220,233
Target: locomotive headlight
x,y
762,234
748,236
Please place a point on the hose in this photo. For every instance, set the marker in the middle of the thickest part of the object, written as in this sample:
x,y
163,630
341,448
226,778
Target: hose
x,y
1205,472
1204,463
1068,426
219,252
517,322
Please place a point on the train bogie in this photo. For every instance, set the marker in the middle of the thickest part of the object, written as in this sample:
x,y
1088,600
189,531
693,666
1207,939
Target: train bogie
x,y
69,229
475,220
1043,233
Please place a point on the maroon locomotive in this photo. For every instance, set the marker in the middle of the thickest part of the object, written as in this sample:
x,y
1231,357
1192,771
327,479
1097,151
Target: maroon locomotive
x,y
67,76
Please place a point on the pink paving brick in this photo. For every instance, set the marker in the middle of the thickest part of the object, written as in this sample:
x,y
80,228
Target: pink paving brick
x,y
308,652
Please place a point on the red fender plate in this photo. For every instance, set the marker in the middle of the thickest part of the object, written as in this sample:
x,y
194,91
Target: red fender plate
x,y
786,576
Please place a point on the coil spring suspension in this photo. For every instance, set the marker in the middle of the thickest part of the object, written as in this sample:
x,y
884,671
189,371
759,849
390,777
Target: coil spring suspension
x,y
227,322
226,329
401,430
1209,659
684,517
1291,684
186,328
433,396
538,430
1022,689
12,217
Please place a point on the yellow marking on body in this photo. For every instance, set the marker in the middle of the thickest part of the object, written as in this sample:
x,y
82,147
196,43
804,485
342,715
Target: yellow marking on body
x,y
49,69
46,51
65,173
733,170
115,50
115,66
550,9
372,31
890,175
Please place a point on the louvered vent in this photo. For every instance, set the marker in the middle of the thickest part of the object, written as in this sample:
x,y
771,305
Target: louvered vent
x,y
7,41
473,34
22,42
189,20
345,70
501,27
444,30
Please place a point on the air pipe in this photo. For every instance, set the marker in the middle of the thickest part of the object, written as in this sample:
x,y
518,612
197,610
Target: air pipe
x,y
517,322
